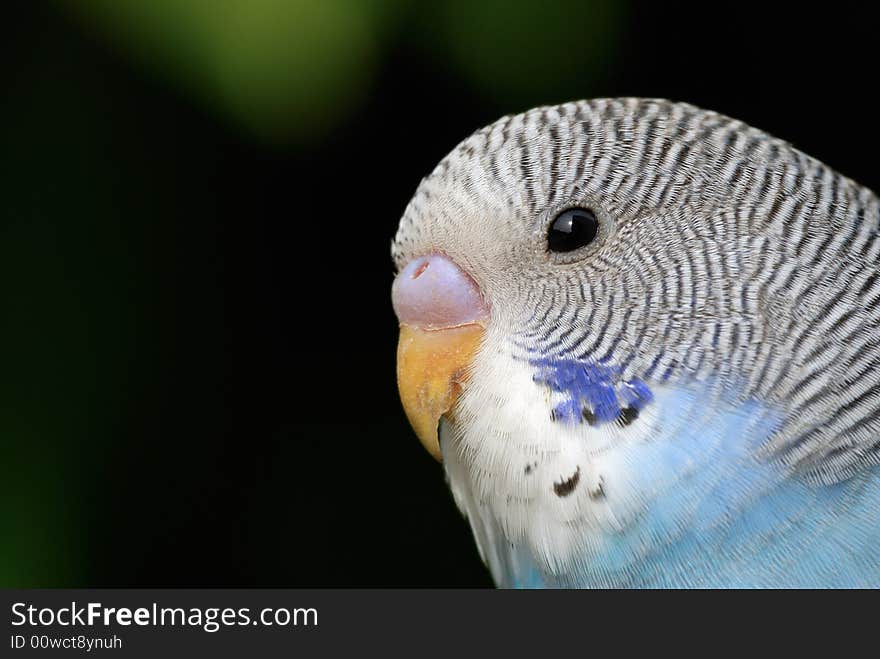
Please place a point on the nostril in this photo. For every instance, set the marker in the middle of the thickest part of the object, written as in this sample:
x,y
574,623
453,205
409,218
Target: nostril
x,y
421,269
432,292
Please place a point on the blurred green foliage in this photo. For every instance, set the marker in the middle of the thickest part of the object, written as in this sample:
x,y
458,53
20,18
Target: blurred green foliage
x,y
281,68
531,53
290,70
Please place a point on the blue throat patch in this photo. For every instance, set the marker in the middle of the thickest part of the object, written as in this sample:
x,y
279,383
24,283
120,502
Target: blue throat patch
x,y
595,393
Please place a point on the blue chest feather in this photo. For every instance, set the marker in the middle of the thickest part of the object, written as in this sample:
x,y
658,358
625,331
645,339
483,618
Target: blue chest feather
x,y
712,513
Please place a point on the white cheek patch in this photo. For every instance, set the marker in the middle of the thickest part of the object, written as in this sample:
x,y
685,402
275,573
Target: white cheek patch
x,y
555,486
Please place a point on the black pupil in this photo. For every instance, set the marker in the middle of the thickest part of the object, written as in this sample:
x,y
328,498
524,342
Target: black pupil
x,y
571,229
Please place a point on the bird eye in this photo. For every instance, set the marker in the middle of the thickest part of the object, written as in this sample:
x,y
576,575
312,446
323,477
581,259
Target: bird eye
x,y
571,229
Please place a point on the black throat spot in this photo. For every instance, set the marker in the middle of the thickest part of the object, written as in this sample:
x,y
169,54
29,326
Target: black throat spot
x,y
567,486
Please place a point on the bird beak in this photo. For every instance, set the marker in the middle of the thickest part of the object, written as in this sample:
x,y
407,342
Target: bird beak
x,y
442,318
432,365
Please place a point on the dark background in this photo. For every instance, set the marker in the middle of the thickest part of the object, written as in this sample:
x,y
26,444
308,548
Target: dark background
x,y
196,337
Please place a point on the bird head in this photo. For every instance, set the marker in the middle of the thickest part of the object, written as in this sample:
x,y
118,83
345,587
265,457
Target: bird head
x,y
583,232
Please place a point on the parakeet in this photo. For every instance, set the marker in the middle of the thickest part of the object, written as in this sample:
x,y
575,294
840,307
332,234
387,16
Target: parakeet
x,y
643,339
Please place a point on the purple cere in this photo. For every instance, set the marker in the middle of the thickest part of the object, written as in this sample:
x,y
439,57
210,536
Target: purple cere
x,y
432,292
595,393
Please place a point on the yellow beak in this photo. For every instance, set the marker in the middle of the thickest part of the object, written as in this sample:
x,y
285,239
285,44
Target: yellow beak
x,y
432,366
